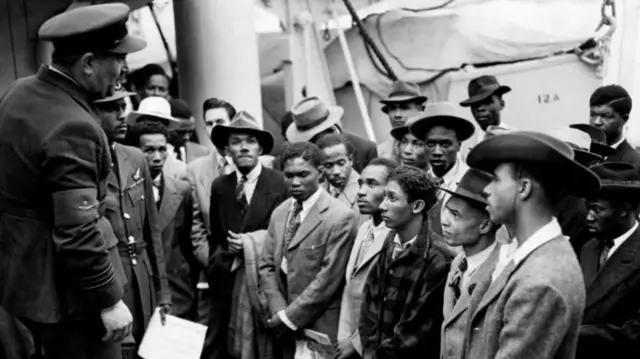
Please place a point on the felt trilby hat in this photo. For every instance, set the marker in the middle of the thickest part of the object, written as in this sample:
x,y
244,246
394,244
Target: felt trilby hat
x,y
441,114
242,122
156,108
598,139
472,185
482,87
536,148
403,91
579,141
312,116
619,179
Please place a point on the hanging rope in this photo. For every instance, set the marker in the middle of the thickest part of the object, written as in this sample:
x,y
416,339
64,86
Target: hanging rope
x,y
597,51
369,41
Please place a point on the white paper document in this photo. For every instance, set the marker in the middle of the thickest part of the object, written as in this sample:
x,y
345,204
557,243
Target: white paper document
x,y
177,339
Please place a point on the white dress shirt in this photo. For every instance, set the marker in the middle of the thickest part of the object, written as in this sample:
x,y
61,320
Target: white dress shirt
x,y
517,253
252,181
451,178
617,144
475,261
623,238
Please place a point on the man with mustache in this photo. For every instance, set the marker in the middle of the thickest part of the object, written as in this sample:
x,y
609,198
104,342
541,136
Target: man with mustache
x,y
443,132
364,255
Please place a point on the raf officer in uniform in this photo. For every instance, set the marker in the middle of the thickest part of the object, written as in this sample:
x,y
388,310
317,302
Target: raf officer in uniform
x,y
132,212
59,269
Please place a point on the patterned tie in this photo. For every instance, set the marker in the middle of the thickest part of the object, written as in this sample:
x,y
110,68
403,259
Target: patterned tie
x,y
456,280
241,198
606,248
293,223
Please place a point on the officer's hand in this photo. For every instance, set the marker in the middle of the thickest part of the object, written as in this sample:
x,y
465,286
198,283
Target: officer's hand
x,y
117,322
235,242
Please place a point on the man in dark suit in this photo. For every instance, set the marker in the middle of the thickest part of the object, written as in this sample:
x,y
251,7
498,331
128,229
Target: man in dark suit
x,y
131,210
302,268
59,267
611,266
174,202
313,119
241,203
610,107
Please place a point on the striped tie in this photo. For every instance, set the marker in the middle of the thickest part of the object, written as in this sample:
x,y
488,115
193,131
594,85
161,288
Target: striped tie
x,y
293,223
241,198
456,280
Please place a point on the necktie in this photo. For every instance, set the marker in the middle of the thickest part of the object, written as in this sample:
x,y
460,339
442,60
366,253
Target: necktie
x,y
456,280
241,198
364,248
607,245
156,188
293,223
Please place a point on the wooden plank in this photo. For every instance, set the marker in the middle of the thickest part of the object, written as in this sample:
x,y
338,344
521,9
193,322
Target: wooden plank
x,y
7,63
23,44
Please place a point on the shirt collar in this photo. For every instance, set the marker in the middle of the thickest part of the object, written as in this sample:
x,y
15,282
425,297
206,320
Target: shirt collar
x,y
252,176
543,235
477,259
309,202
397,241
617,144
453,175
618,241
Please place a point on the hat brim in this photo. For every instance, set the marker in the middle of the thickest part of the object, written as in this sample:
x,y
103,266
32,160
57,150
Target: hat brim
x,y
169,122
129,45
399,132
220,137
586,158
464,128
501,90
523,147
295,135
466,194
402,99
116,96
602,149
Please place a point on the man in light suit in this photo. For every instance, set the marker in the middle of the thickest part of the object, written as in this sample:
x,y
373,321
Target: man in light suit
x,y
466,223
305,254
611,266
371,236
531,306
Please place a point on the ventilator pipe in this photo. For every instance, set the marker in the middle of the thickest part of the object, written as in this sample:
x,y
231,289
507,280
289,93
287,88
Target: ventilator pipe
x,y
369,41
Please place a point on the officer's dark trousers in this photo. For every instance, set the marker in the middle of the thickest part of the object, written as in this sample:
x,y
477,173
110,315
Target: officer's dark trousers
x,y
73,339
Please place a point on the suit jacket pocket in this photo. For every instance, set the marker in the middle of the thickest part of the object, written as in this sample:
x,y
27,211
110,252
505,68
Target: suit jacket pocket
x,y
310,257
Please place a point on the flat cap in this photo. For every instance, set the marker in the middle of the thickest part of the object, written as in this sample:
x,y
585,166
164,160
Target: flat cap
x,y
100,28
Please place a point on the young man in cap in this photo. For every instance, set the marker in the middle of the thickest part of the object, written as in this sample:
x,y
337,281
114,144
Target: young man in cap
x,y
364,254
131,210
337,168
403,101
173,200
531,306
443,131
411,150
466,224
302,267
402,298
59,270
241,204
314,118
610,107
611,267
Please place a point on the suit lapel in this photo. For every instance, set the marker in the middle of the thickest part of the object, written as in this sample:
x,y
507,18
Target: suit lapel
x,y
209,173
375,248
589,257
311,221
168,204
350,192
622,263
260,201
494,288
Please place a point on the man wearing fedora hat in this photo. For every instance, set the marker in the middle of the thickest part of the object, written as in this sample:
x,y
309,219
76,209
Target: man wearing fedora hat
x,y
241,203
466,224
611,266
59,271
532,303
443,132
485,101
403,101
314,118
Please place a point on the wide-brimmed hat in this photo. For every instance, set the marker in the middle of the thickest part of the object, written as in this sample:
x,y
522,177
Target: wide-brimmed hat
x,y
598,139
310,117
158,108
619,179
399,132
403,91
482,87
472,185
441,114
536,148
579,141
242,122
117,95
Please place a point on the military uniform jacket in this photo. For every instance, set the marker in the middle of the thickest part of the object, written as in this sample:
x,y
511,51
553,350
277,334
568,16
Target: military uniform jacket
x,y
133,215
54,240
